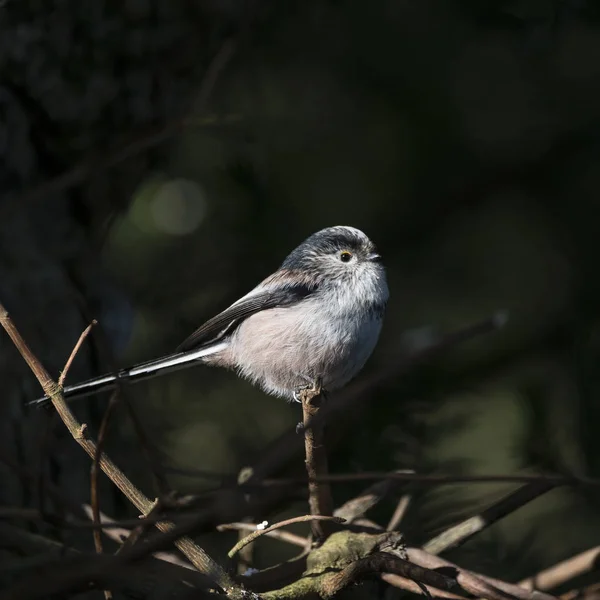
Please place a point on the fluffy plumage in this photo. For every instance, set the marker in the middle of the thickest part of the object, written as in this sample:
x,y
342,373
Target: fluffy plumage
x,y
317,317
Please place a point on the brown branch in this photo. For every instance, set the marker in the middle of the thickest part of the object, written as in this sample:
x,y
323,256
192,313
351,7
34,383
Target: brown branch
x,y
94,471
475,583
245,558
256,534
383,562
196,555
104,350
27,475
589,592
458,534
356,507
144,525
65,371
226,506
137,580
425,479
564,571
409,585
46,437
148,449
32,514
399,512
115,531
320,500
284,536
43,453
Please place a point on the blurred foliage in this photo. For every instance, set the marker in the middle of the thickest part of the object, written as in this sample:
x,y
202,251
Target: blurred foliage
x,y
461,136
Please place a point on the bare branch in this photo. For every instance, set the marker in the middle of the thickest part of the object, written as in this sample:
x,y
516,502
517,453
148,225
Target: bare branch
x,y
590,592
475,583
250,538
320,500
113,529
149,451
458,534
357,507
409,585
136,580
65,371
95,469
399,513
426,479
284,536
563,571
383,562
197,556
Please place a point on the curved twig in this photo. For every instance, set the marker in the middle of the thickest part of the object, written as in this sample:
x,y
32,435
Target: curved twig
x,y
250,538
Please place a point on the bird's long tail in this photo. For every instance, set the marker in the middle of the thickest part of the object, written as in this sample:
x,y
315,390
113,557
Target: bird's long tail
x,y
146,370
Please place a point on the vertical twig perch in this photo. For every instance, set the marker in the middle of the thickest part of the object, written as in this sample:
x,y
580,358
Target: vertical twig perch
x,y
319,494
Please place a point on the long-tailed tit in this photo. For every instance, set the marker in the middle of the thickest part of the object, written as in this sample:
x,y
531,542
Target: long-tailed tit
x,y
316,319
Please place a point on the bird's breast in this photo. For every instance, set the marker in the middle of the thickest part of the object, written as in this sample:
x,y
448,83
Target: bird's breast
x,y
280,348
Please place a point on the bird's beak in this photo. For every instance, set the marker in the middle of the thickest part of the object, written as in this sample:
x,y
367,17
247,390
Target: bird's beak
x,y
374,257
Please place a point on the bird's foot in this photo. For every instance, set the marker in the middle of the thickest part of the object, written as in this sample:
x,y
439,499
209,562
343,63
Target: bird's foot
x,y
314,386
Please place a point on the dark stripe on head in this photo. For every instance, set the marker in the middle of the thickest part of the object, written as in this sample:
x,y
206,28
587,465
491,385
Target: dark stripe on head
x,y
327,241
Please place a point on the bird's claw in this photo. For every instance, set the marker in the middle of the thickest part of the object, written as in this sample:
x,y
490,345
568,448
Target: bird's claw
x,y
313,385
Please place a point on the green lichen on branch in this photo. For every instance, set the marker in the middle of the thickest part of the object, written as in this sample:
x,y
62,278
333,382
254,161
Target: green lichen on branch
x,y
339,551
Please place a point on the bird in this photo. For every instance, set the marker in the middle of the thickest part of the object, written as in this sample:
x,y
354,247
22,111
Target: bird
x,y
314,322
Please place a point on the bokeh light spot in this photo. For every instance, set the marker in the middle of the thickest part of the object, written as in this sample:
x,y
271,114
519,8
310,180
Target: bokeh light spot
x,y
178,207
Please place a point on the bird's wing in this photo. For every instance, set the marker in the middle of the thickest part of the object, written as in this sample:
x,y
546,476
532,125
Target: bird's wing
x,y
214,329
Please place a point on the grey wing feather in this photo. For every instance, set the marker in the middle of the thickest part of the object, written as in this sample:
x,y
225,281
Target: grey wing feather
x,y
217,327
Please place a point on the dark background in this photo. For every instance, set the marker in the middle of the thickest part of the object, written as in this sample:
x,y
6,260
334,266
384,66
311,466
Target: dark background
x,y
158,159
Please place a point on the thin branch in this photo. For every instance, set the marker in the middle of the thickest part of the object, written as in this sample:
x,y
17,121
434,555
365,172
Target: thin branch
x,y
27,475
589,592
409,585
136,580
475,583
196,555
65,371
250,538
356,507
458,534
142,528
44,452
225,507
432,480
564,571
31,514
104,350
148,449
284,536
113,530
399,513
245,558
383,562
320,500
94,471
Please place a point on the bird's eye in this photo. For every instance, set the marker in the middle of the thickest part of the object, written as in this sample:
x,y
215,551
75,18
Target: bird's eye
x,y
345,256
